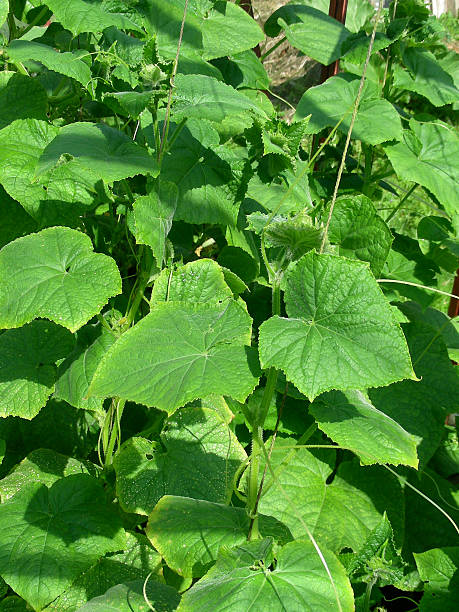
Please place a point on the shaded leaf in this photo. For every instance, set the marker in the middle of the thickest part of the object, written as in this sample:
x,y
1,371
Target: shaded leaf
x,y
21,98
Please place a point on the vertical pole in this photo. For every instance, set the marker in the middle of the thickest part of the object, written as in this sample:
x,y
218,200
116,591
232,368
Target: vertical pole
x,y
248,8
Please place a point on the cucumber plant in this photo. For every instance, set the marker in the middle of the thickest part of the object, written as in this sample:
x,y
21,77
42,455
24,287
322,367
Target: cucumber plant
x,y
225,367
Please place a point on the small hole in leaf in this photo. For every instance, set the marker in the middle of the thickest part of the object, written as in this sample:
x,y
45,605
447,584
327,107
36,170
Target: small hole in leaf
x,y
67,268
149,456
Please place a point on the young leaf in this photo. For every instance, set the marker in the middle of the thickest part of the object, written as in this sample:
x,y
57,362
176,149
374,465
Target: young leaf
x,y
68,64
107,152
351,421
242,578
55,534
329,102
200,458
55,275
429,155
27,366
188,533
340,333
176,354
21,98
79,16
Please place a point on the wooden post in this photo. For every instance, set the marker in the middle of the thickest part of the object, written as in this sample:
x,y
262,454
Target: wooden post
x,y
337,10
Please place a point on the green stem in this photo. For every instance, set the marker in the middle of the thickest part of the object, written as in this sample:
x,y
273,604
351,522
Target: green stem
x,y
367,600
175,135
115,433
34,22
402,200
273,48
368,154
12,27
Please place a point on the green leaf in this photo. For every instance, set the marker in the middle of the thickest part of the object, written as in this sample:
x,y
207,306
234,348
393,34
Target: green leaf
x,y
55,534
43,466
107,152
153,215
188,533
4,9
130,596
212,29
136,562
22,97
13,604
360,232
341,513
420,407
129,103
329,102
27,366
63,194
199,460
243,70
358,12
439,569
203,97
55,275
76,371
310,30
79,16
200,281
15,221
68,64
351,421
295,235
242,578
429,155
176,354
340,333
425,76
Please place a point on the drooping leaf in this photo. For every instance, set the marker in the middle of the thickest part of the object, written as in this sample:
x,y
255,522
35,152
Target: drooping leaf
x,y
107,152
129,103
131,596
55,275
153,215
66,63
340,333
199,460
340,514
79,16
43,466
76,371
243,70
330,102
176,354
429,155
137,561
438,568
241,579
188,533
351,421
27,366
55,534
21,98
420,407
360,232
425,76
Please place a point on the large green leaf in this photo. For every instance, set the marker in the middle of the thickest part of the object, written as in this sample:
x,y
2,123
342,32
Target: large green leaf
x,y
188,533
68,64
242,579
135,562
310,30
4,9
351,421
75,373
79,16
439,569
42,466
329,102
420,407
131,595
107,152
62,194
212,29
55,534
340,514
203,97
200,458
425,76
27,366
54,274
429,155
22,97
340,333
176,354
360,232
208,187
